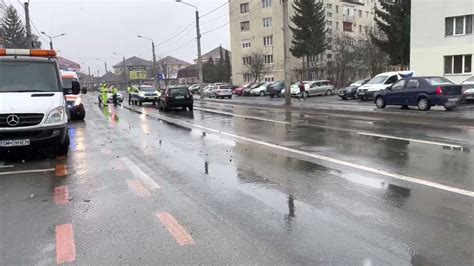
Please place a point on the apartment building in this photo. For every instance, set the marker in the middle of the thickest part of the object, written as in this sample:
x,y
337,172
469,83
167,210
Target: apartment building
x,y
256,26
442,40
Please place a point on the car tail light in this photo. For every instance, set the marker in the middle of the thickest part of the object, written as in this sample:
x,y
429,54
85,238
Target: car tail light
x,y
439,91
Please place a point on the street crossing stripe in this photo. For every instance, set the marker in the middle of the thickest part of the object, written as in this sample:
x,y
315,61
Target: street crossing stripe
x,y
61,170
142,176
176,230
411,140
242,116
61,195
137,187
65,246
28,171
325,158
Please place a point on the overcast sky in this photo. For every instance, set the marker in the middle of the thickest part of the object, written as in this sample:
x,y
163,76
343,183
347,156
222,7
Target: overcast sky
x,y
97,28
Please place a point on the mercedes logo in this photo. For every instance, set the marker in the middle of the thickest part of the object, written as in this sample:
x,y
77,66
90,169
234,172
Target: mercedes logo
x,y
13,120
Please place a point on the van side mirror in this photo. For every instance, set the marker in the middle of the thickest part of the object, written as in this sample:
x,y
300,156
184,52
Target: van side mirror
x,y
76,87
84,90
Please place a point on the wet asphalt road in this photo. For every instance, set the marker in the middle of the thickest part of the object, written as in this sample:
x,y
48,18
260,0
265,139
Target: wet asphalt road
x,y
235,184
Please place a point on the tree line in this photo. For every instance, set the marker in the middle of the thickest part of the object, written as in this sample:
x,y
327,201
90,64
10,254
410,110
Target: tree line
x,y
12,29
219,70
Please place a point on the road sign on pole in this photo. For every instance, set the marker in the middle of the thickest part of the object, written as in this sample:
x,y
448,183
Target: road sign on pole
x,y
137,73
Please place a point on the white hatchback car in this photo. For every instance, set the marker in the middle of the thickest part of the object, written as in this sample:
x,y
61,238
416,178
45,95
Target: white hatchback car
x,y
381,82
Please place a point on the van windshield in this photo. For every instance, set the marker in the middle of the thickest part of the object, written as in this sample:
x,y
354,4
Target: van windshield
x,y
377,80
16,76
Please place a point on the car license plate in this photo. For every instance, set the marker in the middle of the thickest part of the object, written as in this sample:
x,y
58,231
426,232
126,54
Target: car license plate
x,y
361,93
179,97
452,99
14,143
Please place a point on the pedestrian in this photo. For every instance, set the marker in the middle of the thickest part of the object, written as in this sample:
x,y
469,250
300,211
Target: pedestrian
x,y
104,93
114,95
129,89
302,91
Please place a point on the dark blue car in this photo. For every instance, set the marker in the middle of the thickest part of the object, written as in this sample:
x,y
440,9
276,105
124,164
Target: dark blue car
x,y
423,92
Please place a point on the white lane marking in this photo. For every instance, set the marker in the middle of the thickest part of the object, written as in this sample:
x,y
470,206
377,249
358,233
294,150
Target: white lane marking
x,y
146,180
342,129
2,165
329,159
28,171
242,116
411,140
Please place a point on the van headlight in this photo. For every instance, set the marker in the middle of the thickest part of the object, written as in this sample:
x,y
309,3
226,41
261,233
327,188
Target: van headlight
x,y
56,115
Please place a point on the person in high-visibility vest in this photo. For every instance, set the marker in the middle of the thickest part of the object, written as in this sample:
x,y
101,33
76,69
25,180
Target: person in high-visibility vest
x,y
129,89
104,91
114,95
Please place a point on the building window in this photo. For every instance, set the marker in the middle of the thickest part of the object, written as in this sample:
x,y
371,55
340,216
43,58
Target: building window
x,y
458,64
337,25
329,31
329,14
245,26
312,75
244,8
267,22
458,25
329,6
360,13
337,9
329,56
269,79
329,23
246,44
247,60
268,59
360,28
268,40
347,26
266,3
247,78
367,14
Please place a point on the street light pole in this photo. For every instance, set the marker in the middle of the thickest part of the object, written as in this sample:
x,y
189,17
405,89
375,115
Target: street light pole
x,y
155,69
198,33
286,63
124,72
51,38
105,64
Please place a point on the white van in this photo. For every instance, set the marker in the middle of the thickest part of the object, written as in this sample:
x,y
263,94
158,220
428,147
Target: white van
x,y
33,110
381,82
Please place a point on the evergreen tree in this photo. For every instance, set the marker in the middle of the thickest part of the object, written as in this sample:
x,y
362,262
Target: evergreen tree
x,y
309,32
228,67
13,29
393,19
209,71
220,71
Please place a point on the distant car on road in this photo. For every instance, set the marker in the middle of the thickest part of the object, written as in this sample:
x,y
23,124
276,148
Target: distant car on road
x,y
295,88
194,89
110,97
145,94
351,90
276,89
246,92
239,91
380,82
468,89
423,92
220,91
175,97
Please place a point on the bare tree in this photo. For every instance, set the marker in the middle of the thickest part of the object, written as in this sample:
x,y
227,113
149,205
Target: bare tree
x,y
256,66
344,63
370,55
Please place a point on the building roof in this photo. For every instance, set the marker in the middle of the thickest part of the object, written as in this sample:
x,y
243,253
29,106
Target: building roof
x,y
214,53
134,61
169,60
110,77
67,64
191,71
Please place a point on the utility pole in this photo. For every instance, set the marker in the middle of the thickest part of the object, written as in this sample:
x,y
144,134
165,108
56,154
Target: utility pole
x,y
28,26
155,70
89,68
198,31
124,72
286,62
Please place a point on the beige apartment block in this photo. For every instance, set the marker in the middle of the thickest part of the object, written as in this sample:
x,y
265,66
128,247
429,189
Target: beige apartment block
x,y
442,40
256,26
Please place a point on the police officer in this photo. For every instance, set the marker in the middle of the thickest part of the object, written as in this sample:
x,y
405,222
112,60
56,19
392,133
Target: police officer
x,y
114,94
104,91
129,89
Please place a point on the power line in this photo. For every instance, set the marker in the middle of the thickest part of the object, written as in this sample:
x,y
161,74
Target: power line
x,y
177,48
216,28
176,35
214,9
216,18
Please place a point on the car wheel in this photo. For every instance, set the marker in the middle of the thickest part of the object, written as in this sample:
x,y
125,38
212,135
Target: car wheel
x,y
328,92
230,97
262,93
380,102
404,107
190,108
279,94
81,117
344,98
153,103
140,103
424,104
306,94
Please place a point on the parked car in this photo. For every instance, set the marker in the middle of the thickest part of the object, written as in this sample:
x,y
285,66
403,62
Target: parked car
x,y
239,91
175,97
295,88
194,89
351,90
276,89
246,92
423,92
320,87
380,82
261,90
145,93
468,89
220,91
110,97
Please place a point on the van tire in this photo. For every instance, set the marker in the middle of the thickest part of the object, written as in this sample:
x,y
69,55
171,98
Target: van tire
x,y
63,148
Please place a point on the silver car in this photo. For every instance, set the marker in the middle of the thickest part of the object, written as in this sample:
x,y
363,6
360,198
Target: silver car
x,y
220,91
320,87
